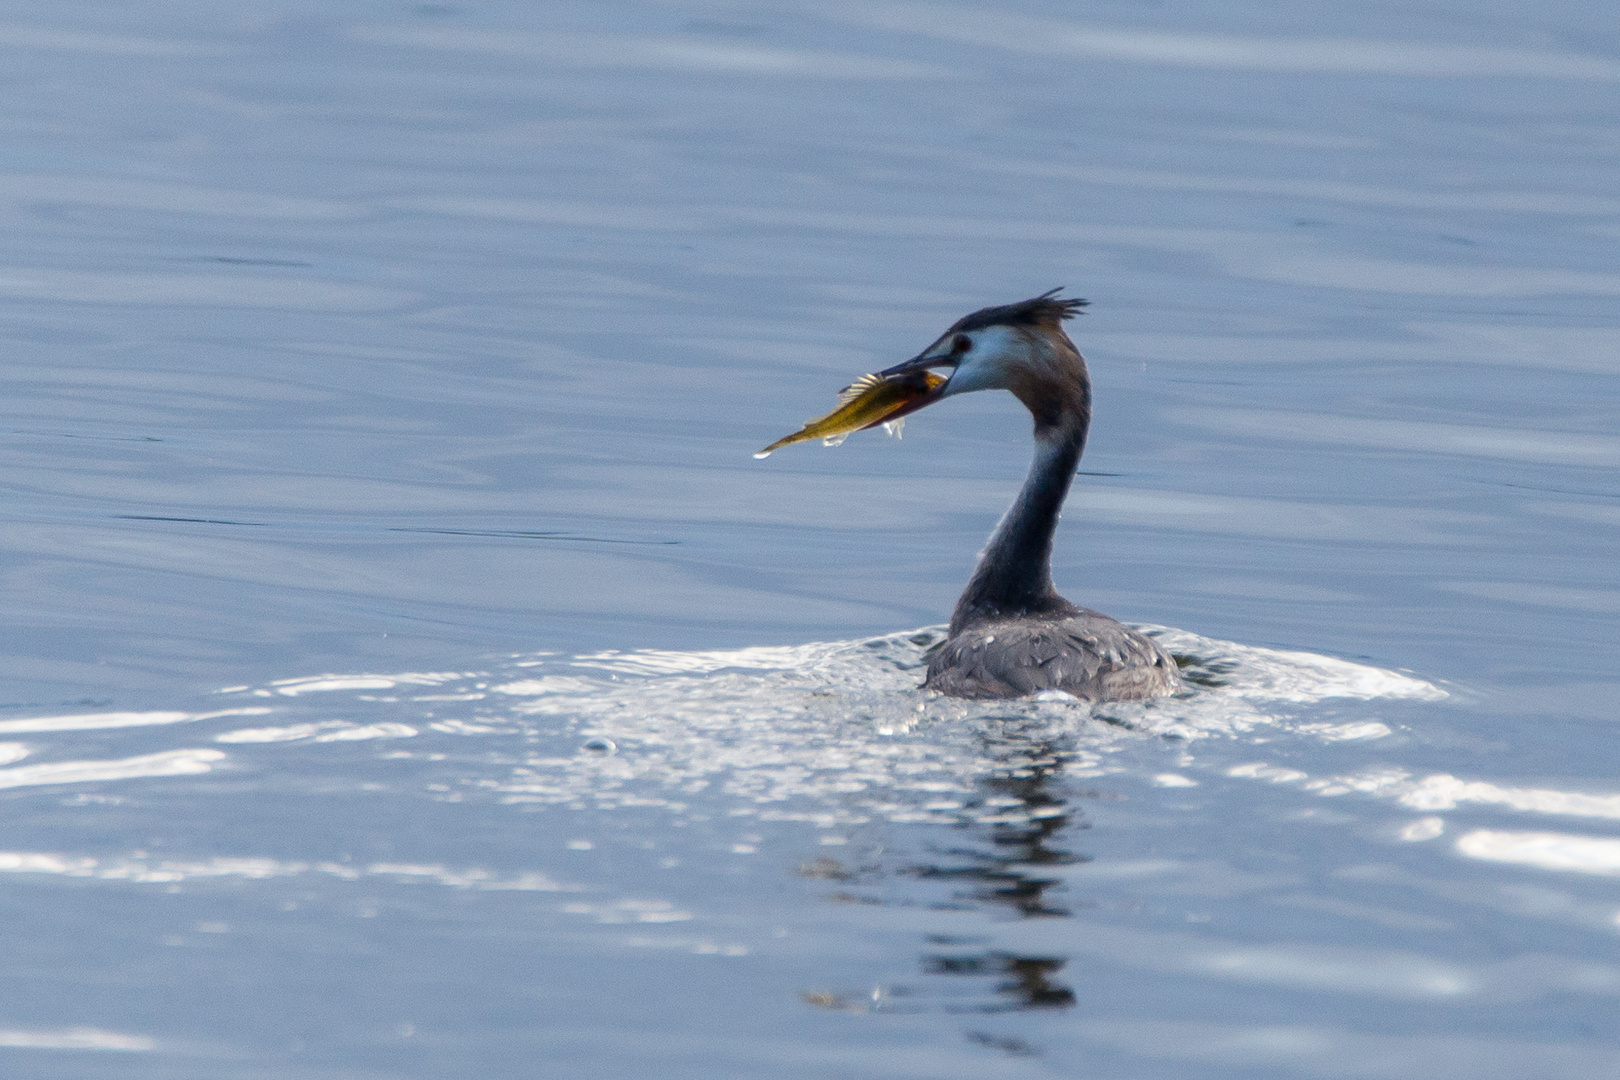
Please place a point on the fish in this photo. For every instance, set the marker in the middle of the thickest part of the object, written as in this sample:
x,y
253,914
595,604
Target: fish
x,y
867,402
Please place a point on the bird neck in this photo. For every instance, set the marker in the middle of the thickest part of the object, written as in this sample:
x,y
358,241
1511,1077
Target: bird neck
x,y
1014,576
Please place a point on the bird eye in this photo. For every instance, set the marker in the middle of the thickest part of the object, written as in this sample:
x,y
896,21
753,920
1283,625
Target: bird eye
x,y
962,344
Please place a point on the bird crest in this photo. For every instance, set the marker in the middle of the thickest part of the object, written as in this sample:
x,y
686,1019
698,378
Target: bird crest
x,y
1046,311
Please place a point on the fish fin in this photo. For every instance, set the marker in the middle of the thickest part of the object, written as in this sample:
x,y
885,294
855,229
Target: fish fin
x,y
857,388
835,440
894,428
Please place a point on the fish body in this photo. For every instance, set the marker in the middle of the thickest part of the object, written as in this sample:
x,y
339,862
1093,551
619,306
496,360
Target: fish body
x,y
868,401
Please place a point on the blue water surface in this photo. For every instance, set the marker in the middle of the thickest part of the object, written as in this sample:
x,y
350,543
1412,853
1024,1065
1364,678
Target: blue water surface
x,y
408,672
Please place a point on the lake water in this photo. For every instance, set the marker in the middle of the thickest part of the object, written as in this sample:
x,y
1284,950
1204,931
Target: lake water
x,y
408,672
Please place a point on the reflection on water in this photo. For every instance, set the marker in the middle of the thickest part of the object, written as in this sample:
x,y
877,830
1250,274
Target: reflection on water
x,y
1010,832
1025,981
1016,826
1020,815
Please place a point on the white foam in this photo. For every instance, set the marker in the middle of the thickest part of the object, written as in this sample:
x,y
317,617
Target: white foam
x,y
757,658
169,763
98,721
1368,729
1423,829
1545,850
324,732
328,683
294,687
290,733
141,870
1443,792
552,684
1255,673
463,727
368,731
827,733
1261,771
76,1038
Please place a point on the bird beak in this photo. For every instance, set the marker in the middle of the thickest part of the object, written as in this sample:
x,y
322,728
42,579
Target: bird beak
x,y
914,368
922,362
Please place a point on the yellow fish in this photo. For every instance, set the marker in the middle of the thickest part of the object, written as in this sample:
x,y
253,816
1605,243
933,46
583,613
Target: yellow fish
x,y
868,401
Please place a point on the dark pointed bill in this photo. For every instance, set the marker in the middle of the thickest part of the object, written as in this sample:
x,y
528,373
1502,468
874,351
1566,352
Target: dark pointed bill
x,y
926,361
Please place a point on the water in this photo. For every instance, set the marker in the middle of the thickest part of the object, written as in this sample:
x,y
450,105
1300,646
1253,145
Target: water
x,y
408,672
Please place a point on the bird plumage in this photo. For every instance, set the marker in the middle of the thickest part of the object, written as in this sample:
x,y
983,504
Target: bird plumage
x,y
1011,633
1086,654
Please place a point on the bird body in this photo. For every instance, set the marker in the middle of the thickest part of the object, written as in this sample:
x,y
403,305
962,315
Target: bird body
x,y
1086,654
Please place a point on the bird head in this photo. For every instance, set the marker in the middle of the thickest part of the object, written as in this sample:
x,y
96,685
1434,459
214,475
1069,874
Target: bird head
x,y
1018,347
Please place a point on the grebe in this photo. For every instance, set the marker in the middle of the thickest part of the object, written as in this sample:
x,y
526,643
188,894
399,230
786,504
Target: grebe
x,y
1011,634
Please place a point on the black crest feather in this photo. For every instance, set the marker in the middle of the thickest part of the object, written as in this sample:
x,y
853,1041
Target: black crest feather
x,y
1046,310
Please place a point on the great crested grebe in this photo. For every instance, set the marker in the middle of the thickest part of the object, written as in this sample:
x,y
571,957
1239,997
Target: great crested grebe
x,y
1011,633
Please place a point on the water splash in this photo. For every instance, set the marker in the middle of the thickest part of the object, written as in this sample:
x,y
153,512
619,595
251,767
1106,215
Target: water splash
x,y
826,733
